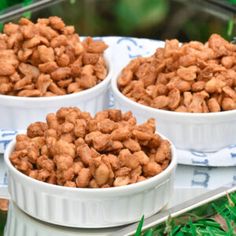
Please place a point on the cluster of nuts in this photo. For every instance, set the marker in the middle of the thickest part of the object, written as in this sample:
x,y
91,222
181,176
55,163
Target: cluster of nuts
x,y
48,59
77,150
192,77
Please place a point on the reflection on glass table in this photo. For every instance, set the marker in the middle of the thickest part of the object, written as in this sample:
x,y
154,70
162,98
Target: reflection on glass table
x,y
190,182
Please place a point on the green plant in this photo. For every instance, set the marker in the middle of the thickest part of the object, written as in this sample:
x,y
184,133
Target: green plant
x,y
222,222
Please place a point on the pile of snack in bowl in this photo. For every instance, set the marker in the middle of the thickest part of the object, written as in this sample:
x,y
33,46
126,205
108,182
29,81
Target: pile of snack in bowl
x,y
78,153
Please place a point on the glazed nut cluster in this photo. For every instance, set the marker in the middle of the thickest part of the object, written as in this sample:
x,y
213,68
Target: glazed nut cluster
x,y
48,59
192,77
76,150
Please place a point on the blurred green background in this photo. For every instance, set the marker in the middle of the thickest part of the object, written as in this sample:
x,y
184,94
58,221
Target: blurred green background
x,y
157,19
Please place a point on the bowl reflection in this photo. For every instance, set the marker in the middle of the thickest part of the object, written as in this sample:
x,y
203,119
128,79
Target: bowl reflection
x,y
21,224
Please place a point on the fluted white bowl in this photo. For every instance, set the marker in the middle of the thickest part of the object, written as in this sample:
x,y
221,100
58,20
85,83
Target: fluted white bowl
x,y
208,132
17,112
89,208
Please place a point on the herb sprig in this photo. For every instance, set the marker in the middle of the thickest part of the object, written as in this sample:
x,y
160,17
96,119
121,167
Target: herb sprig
x,y
222,222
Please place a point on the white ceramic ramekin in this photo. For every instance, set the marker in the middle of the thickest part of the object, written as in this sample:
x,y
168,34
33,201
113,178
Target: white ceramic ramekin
x,y
18,112
207,132
89,208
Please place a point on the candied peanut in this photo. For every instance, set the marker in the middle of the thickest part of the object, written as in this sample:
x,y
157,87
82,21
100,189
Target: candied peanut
x,y
151,169
22,137
127,159
86,81
45,54
174,99
24,54
230,92
188,73
125,78
47,32
65,83
84,152
64,175
146,72
93,184
5,88
29,70
69,29
80,128
29,93
101,142
58,41
33,174
90,58
43,162
227,61
213,105
36,129
192,67
163,152
10,28
48,67
196,103
43,83
52,121
160,102
55,89
22,83
94,46
77,167
198,86
51,152
63,161
63,148
52,48
67,127
70,184
115,115
25,21
228,104
120,134
56,23
141,135
106,126
142,157
63,60
73,87
132,145
61,73
6,68
135,174
102,175
43,175
83,179
21,145
121,180
30,43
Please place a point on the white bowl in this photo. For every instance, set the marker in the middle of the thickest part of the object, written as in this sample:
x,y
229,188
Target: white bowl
x,y
89,208
18,112
207,132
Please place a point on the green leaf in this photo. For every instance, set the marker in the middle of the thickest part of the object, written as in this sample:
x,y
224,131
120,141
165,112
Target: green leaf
x,y
230,27
140,225
149,233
